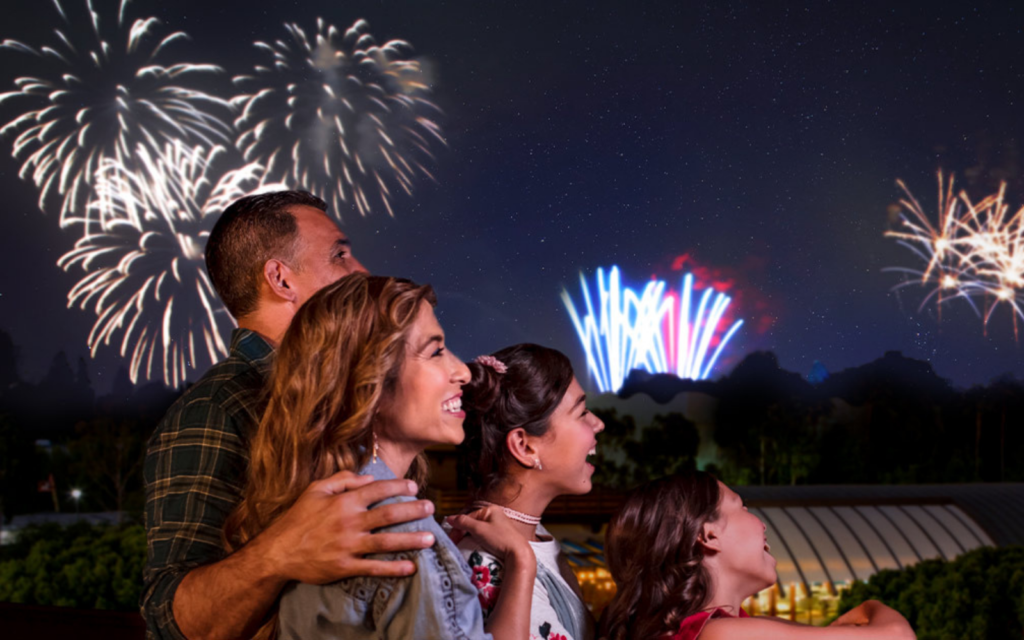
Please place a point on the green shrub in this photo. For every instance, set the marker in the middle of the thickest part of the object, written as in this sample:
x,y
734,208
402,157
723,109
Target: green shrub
x,y
978,596
81,566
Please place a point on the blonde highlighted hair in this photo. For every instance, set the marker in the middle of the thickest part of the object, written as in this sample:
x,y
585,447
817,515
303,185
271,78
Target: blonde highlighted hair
x,y
336,366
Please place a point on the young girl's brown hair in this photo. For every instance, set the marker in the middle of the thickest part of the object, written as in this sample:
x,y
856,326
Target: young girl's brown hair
x,y
655,558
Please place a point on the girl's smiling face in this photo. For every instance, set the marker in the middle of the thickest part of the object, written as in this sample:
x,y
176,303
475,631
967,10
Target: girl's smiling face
x,y
741,549
570,439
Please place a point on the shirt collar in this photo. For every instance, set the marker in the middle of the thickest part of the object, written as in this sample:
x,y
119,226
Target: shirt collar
x,y
251,348
378,470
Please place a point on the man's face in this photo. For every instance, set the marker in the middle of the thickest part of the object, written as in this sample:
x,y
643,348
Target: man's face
x,y
322,252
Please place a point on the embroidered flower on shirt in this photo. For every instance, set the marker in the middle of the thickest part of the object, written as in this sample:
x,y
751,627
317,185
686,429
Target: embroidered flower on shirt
x,y
481,577
487,580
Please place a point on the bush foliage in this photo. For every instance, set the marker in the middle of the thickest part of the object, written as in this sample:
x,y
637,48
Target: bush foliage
x,y
978,596
81,566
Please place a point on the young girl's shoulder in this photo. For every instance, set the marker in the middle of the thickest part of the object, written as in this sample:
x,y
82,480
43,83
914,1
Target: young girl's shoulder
x,y
694,625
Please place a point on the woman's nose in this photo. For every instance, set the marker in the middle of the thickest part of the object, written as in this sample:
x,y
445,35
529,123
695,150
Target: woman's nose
x,y
460,372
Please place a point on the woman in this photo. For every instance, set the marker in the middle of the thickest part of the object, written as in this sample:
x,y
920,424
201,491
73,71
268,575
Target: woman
x,y
362,381
529,434
685,553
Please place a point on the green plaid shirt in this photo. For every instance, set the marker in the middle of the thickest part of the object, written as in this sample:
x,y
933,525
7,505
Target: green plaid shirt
x,y
195,472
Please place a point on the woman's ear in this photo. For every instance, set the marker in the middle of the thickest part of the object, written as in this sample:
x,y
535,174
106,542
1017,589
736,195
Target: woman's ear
x,y
518,443
278,275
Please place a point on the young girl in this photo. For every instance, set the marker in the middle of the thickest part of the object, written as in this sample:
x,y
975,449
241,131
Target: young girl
x,y
685,553
528,434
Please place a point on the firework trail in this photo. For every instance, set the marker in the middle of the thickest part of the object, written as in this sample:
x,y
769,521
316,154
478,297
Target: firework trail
x,y
338,115
653,330
975,252
144,270
102,94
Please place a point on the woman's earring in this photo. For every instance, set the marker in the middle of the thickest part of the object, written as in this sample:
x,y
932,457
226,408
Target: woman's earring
x,y
537,465
376,447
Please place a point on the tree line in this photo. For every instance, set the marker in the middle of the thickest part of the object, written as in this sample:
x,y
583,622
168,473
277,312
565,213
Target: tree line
x,y
890,421
58,434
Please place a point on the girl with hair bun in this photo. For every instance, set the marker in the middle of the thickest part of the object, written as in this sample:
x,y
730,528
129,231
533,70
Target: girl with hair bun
x,y
528,435
685,553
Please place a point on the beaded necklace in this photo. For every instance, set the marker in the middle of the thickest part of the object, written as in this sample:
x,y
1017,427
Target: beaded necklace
x,y
512,514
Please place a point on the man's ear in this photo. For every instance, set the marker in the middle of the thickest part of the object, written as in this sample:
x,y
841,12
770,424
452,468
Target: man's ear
x,y
278,276
523,452
709,539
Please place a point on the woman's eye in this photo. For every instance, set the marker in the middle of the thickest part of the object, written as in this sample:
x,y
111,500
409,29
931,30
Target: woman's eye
x,y
438,353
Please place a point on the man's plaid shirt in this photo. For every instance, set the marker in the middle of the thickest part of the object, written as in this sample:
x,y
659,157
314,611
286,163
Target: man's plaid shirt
x,y
195,473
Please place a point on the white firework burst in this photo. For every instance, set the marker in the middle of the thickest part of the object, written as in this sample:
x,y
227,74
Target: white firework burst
x,y
338,115
101,92
144,269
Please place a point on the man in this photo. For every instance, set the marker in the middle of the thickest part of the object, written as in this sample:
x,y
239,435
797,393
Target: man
x,y
266,256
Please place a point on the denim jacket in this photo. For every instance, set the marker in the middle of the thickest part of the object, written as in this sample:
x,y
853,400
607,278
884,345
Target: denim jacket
x,y
438,601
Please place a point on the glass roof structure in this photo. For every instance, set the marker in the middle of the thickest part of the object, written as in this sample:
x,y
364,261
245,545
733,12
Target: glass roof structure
x,y
833,535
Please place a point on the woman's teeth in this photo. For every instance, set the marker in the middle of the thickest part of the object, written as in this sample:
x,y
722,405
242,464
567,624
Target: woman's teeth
x,y
452,406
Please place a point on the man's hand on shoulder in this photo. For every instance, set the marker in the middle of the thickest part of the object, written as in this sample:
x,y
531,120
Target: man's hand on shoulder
x,y
327,533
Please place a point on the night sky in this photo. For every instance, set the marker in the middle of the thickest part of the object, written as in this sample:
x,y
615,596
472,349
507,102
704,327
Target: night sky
x,y
763,140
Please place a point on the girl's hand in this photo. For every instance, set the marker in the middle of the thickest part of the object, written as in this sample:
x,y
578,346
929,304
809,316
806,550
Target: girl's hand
x,y
495,532
855,617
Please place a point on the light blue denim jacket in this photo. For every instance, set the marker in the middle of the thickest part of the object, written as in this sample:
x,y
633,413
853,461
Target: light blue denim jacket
x,y
438,601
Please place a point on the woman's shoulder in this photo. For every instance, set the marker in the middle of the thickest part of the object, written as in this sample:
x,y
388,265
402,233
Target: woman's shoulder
x,y
380,471
427,524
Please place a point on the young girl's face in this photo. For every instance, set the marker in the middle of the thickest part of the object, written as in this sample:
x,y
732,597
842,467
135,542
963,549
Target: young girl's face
x,y
743,543
571,438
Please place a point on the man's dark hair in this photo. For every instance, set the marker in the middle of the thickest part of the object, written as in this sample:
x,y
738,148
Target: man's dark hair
x,y
251,231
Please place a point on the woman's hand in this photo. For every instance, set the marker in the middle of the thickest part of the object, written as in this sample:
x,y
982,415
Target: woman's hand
x,y
495,533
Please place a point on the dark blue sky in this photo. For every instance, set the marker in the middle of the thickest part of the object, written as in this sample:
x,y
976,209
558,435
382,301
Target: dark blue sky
x,y
761,138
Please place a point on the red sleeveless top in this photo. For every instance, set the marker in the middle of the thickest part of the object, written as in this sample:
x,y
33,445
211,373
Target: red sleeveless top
x,y
691,626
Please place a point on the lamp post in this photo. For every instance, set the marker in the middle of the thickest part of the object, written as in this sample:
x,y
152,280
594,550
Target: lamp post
x,y
76,495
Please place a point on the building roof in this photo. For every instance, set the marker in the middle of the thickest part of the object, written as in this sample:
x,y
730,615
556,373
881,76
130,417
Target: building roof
x,y
835,534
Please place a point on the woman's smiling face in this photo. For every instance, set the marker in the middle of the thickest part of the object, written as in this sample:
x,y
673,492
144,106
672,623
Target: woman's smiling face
x,y
425,407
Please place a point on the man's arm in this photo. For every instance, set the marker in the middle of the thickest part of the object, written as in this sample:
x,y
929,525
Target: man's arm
x,y
195,470
322,538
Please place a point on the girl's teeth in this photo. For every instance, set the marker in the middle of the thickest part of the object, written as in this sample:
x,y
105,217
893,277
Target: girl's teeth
x,y
452,406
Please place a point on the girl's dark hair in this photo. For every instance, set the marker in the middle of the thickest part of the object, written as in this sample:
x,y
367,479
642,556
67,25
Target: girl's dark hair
x,y
523,397
654,556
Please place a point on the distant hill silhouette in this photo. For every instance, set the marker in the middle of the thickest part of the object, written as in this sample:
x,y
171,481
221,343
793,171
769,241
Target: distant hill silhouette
x,y
759,376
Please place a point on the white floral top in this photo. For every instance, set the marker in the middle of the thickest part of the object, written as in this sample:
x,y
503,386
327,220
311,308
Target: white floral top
x,y
488,575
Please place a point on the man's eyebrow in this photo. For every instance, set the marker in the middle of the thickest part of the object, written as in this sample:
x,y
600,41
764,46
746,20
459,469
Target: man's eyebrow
x,y
341,243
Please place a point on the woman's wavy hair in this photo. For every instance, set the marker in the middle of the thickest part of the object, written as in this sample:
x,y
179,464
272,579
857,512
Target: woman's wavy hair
x,y
336,367
524,397
655,558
